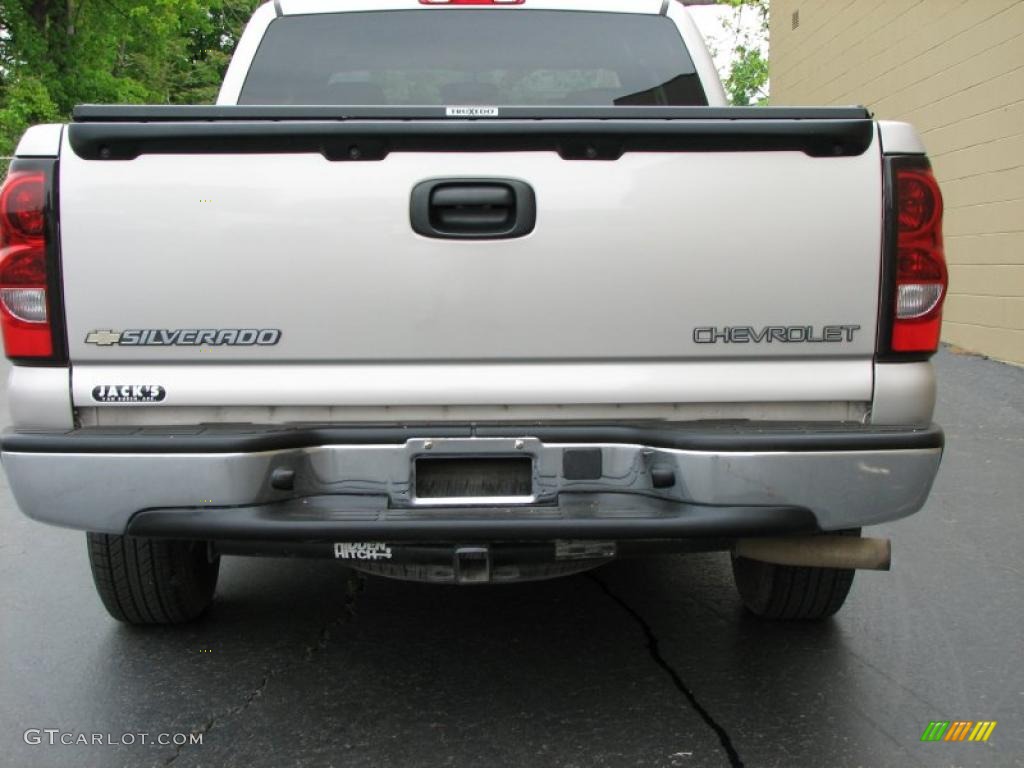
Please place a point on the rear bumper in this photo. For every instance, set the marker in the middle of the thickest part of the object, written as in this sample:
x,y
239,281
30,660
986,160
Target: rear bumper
x,y
631,481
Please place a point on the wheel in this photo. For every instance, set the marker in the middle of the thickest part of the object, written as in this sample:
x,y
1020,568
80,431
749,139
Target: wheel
x,y
152,581
791,592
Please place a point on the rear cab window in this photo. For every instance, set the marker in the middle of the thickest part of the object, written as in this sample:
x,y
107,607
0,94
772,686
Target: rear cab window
x,y
473,56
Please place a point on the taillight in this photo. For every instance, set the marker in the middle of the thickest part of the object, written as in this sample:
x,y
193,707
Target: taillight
x,y
24,264
919,278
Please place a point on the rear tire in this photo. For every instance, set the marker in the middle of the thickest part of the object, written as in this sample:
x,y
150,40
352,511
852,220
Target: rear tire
x,y
790,592
152,581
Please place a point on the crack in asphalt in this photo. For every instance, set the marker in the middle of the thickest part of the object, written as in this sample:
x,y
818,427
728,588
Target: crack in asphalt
x,y
210,724
352,589
653,647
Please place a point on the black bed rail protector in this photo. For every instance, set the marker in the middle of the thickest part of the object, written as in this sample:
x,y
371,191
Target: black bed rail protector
x,y
152,113
725,438
372,134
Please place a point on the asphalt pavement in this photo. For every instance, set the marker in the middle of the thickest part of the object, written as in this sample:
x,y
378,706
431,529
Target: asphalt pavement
x,y
642,663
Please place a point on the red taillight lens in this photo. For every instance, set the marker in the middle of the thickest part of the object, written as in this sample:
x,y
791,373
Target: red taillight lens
x,y
24,315
921,275
918,203
23,201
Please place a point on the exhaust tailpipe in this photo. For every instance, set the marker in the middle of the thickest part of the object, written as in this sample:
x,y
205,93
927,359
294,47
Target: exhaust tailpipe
x,y
819,552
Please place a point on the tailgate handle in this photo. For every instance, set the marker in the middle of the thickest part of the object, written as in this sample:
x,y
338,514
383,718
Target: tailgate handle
x,y
473,209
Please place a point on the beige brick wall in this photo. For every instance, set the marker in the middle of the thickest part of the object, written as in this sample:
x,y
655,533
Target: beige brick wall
x,y
955,69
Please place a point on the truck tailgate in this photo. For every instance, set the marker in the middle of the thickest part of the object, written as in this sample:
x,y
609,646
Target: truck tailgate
x,y
656,257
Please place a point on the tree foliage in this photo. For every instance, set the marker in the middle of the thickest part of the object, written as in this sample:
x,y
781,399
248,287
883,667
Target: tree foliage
x,y
747,82
58,53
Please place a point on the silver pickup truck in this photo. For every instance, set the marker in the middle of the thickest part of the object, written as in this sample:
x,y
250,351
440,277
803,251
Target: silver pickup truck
x,y
471,291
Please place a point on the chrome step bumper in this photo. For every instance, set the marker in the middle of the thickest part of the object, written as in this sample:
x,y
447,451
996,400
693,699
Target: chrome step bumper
x,y
655,480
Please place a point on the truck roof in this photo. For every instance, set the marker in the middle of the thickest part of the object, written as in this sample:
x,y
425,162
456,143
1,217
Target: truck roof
x,y
304,7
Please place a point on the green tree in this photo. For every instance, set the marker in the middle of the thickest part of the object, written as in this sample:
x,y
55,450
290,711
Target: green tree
x,y
55,54
747,82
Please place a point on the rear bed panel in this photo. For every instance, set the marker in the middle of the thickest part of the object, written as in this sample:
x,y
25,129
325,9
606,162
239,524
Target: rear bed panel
x,y
510,385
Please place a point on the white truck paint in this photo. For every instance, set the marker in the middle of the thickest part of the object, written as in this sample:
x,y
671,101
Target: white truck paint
x,y
695,342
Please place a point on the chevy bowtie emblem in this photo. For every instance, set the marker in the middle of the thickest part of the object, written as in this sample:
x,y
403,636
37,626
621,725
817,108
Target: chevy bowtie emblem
x,y
104,338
